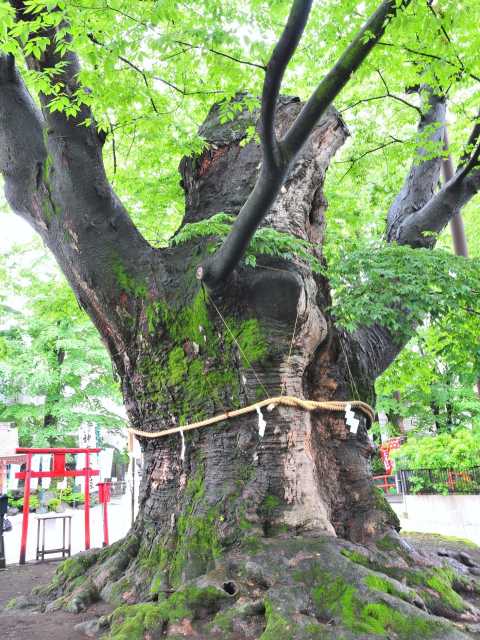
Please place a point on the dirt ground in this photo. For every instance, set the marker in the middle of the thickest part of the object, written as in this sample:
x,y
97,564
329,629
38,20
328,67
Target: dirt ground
x,y
25,624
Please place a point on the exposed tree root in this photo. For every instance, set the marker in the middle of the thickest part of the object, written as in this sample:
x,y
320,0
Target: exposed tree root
x,y
280,588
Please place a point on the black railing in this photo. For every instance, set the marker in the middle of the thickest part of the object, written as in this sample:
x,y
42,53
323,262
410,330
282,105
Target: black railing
x,y
439,481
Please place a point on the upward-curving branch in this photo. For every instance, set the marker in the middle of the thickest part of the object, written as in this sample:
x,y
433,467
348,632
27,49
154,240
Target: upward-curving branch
x,y
275,71
419,224
55,179
278,155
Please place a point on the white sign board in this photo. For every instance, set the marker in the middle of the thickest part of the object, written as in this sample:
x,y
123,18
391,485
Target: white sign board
x,y
8,438
86,436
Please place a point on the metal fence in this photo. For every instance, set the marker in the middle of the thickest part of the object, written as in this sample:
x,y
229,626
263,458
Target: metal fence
x,y
439,481
387,483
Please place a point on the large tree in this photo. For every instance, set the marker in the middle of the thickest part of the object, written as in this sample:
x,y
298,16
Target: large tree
x,y
205,326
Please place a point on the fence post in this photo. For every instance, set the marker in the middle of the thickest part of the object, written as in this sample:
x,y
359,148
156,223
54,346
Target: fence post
x,y
26,509
87,501
403,481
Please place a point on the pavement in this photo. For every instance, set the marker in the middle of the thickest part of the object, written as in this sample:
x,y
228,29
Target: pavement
x,y
119,521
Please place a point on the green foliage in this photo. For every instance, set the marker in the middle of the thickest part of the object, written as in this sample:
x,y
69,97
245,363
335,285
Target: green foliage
x,y
458,450
73,499
400,287
217,226
67,496
265,242
54,371
137,60
53,504
435,375
17,503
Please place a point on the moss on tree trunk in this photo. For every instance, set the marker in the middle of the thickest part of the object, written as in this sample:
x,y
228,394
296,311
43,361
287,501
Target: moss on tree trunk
x,y
251,536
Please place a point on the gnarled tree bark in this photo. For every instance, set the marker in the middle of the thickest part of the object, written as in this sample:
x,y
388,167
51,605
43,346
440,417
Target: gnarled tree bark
x,y
194,334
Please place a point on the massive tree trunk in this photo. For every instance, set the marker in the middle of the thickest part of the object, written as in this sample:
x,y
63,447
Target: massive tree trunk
x,y
256,529
241,536
266,333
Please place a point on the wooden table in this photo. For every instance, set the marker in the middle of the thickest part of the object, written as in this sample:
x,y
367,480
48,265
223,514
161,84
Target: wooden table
x,y
65,549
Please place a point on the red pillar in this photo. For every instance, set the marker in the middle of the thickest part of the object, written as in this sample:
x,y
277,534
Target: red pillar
x,y
87,501
26,509
105,524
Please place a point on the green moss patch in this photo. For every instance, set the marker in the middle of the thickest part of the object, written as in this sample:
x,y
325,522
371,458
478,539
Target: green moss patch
x,y
378,583
432,584
381,619
278,627
196,544
194,369
337,599
131,622
437,537
441,581
114,591
76,566
355,556
197,539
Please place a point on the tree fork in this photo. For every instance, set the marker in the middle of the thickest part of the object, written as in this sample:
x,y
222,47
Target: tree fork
x,y
244,514
278,155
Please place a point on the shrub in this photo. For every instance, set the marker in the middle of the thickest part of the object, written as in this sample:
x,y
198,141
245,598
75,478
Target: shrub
x,y
457,450
54,503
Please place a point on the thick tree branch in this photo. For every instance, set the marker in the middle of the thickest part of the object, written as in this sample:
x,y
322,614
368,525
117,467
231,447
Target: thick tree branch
x,y
423,176
456,223
338,76
275,166
473,139
282,53
421,227
22,150
417,216
55,179
418,225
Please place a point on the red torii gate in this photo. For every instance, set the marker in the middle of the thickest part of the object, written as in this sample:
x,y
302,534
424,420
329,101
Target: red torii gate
x,y
58,471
